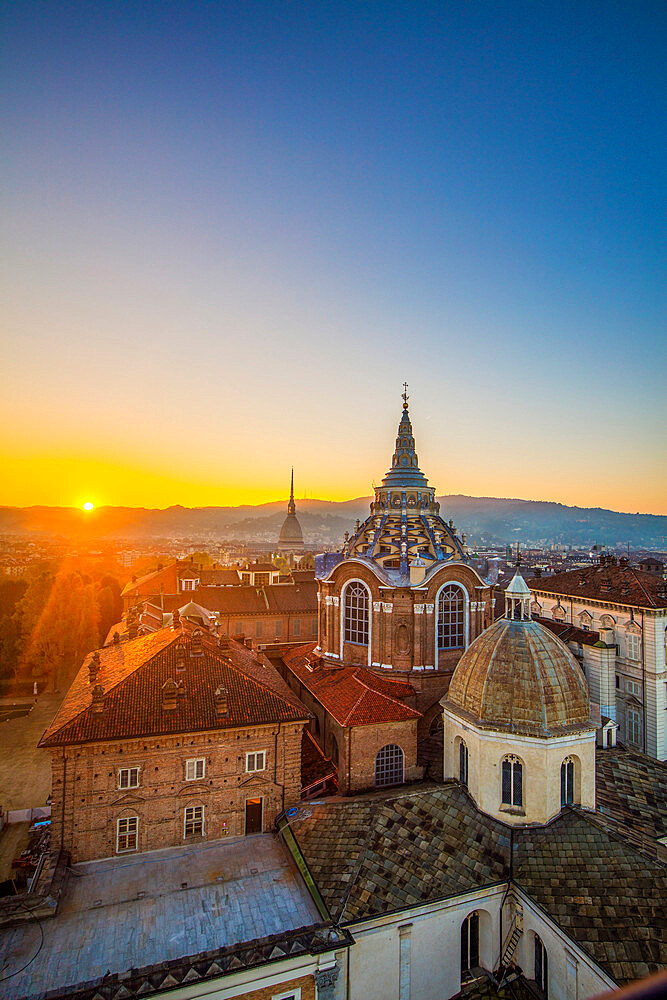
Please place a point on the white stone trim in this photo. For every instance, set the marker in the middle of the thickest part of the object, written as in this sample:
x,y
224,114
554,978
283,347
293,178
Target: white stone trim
x,y
328,600
387,608
429,608
466,615
341,623
419,609
377,605
336,601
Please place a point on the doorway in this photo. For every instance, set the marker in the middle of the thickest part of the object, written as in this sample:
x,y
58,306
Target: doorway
x,y
253,816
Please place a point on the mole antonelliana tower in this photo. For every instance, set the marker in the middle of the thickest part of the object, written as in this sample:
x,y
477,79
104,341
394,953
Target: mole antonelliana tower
x,y
291,536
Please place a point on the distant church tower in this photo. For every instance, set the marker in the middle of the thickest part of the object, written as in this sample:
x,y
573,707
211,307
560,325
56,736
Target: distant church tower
x,y
291,536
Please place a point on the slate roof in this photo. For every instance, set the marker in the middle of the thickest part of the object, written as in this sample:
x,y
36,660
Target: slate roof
x,y
386,851
614,584
383,852
609,898
631,793
353,696
133,673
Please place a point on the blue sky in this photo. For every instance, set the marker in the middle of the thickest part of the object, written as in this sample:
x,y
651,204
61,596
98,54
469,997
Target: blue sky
x,y
234,229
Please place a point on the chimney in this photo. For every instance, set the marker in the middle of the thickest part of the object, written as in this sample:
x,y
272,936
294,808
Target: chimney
x,y
196,643
182,691
223,644
180,658
247,642
116,638
94,667
160,566
132,624
169,695
221,705
176,619
98,699
537,572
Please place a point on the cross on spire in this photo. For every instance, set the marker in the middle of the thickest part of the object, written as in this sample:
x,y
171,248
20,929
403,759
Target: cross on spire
x,y
404,395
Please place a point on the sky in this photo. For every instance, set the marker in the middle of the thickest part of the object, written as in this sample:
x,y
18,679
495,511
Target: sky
x,y
232,230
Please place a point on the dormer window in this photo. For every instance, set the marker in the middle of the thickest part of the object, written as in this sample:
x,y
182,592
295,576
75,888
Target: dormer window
x,y
189,584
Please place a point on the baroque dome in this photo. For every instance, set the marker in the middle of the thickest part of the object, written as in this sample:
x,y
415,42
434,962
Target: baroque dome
x,y
518,677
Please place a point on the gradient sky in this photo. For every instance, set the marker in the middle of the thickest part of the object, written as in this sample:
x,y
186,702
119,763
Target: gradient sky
x,y
231,231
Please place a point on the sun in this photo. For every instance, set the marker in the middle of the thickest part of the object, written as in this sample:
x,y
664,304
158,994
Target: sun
x,y
88,505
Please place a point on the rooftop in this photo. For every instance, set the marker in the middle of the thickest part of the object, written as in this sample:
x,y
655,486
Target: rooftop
x,y
385,851
613,584
132,677
128,913
354,696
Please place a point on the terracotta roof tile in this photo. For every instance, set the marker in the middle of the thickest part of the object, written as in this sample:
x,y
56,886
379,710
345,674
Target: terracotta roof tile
x,y
614,584
354,696
133,673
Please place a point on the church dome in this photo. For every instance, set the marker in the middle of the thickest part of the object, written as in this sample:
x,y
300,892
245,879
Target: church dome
x,y
518,677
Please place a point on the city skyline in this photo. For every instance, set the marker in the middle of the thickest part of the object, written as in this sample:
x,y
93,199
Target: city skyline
x,y
233,232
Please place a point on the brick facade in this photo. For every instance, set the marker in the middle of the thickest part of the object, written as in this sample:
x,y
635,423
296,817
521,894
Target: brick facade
x,y
87,800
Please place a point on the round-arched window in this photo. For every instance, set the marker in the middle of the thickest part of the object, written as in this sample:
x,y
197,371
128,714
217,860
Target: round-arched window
x,y
356,614
389,766
463,763
451,617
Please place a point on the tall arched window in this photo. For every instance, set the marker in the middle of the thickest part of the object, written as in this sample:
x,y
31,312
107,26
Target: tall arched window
x,y
463,763
567,782
356,614
389,766
451,617
541,967
470,942
512,781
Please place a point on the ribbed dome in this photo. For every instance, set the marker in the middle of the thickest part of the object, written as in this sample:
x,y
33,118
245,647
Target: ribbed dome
x,y
290,533
518,677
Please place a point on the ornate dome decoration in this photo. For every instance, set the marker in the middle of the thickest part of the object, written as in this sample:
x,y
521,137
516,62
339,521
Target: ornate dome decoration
x,y
518,677
291,536
405,529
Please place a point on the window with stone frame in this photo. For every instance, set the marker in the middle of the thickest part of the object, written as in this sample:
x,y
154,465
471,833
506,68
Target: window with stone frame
x,y
541,967
356,614
255,761
451,618
127,834
633,687
512,782
279,627
470,943
463,763
193,821
296,627
633,646
634,726
195,768
128,777
567,782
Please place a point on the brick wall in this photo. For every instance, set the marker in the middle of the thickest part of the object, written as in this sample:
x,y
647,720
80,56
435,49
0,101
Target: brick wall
x,y
87,800
305,983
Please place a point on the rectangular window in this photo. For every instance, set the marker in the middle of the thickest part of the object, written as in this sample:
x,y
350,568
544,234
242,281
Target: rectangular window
x,y
261,579
194,821
279,628
313,626
128,777
296,627
127,834
255,761
634,726
188,584
618,681
634,647
238,628
633,687
245,577
259,628
195,768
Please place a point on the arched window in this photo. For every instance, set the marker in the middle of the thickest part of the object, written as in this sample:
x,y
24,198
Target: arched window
x,y
567,782
541,967
356,614
389,766
512,781
470,942
463,763
451,618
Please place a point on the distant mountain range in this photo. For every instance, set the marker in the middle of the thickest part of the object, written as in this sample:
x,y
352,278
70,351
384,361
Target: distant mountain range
x,y
483,519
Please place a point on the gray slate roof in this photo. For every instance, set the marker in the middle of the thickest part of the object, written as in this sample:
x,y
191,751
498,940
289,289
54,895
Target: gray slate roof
x,y
387,851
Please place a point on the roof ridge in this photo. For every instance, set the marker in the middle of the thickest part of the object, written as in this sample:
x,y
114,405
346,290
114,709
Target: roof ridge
x,y
383,694
358,701
648,594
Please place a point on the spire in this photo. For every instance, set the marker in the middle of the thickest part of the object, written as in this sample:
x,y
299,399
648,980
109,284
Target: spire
x,y
405,463
291,506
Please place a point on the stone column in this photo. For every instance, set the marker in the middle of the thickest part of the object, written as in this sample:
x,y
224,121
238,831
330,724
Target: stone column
x,y
387,659
335,614
376,637
430,655
418,651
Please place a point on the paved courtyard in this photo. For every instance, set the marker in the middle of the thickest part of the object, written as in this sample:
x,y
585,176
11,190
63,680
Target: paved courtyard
x,y
25,771
135,911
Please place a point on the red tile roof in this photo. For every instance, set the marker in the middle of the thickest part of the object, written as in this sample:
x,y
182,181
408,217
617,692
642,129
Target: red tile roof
x,y
614,584
354,696
270,600
569,633
315,766
133,673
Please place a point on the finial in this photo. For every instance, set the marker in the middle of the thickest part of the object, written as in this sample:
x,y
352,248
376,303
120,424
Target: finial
x,y
405,396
